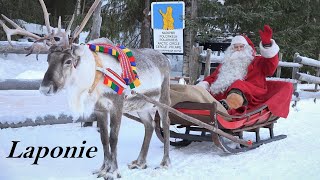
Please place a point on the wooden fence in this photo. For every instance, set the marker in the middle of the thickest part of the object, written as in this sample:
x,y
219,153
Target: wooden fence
x,y
20,48
202,61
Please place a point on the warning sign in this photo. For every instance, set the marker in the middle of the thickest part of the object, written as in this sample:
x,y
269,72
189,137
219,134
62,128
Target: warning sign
x,y
169,41
168,22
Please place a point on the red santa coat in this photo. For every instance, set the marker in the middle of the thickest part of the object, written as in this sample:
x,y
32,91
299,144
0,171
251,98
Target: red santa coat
x,y
258,91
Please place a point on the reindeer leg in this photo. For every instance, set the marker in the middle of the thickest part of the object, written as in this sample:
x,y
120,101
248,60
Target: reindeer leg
x,y
163,113
148,123
115,122
102,118
165,163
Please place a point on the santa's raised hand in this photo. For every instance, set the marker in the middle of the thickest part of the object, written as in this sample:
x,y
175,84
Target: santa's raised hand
x,y
266,36
268,47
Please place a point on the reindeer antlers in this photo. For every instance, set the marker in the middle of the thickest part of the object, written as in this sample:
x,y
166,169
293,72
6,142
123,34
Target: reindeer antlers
x,y
46,16
51,37
18,30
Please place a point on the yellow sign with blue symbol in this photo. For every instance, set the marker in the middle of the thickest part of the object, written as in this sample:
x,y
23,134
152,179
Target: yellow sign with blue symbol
x,y
167,15
167,22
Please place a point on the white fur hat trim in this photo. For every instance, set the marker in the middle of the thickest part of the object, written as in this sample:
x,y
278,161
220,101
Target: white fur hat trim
x,y
239,40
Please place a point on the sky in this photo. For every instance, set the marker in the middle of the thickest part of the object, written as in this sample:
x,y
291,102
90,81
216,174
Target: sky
x,y
296,157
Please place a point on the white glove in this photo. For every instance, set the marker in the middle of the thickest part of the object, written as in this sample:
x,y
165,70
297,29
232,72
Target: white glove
x,y
204,84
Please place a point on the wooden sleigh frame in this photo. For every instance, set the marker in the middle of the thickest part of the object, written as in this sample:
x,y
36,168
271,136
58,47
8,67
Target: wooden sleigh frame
x,y
214,126
206,113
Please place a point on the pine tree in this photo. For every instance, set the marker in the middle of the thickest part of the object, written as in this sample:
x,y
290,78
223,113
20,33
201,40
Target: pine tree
x,y
122,21
295,22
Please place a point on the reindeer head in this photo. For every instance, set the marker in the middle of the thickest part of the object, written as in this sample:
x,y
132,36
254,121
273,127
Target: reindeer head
x,y
62,62
63,56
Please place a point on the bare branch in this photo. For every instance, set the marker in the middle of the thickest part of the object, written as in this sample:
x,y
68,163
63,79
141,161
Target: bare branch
x,y
87,17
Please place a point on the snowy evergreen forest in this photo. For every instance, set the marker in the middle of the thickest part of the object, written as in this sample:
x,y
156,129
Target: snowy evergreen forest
x,y
295,22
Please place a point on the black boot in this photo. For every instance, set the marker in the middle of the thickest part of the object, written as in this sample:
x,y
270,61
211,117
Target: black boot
x,y
224,103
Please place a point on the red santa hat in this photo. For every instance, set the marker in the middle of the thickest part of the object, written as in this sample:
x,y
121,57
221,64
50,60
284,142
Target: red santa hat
x,y
243,39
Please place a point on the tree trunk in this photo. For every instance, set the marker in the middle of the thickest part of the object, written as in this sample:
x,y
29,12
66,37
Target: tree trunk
x,y
145,27
189,35
96,24
78,8
83,6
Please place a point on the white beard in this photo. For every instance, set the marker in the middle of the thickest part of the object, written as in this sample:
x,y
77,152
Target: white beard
x,y
234,67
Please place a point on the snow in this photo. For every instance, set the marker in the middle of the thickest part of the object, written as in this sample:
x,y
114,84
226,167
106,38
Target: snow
x,y
309,78
20,66
296,157
16,106
215,56
289,64
282,79
308,61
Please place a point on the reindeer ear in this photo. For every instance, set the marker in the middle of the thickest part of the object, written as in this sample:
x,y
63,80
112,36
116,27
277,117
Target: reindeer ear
x,y
77,50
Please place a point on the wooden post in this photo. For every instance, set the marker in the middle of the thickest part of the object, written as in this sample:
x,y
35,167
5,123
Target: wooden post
x,y
279,67
208,63
199,51
194,64
295,70
317,74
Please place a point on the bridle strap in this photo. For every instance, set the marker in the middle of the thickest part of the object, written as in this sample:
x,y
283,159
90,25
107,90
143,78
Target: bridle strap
x,y
98,74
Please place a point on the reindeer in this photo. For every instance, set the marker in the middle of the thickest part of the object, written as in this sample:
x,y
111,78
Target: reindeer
x,y
75,68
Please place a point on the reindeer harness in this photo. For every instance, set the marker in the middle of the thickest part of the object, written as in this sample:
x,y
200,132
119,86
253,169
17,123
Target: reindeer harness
x,y
129,75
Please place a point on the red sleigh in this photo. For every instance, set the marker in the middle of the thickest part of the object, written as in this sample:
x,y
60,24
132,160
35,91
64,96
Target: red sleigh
x,y
194,122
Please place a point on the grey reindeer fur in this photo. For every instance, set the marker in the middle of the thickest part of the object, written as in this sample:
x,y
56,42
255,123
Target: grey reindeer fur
x,y
114,105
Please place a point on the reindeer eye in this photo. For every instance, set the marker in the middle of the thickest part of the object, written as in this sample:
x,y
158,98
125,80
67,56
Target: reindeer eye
x,y
56,38
68,62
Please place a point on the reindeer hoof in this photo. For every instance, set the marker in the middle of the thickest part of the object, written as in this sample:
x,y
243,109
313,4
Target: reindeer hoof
x,y
135,165
112,176
165,164
108,175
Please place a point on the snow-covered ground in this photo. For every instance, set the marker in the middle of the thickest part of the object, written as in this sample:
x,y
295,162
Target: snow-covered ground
x,y
296,157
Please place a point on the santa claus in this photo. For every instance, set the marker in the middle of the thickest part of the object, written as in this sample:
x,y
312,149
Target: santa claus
x,y
239,83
